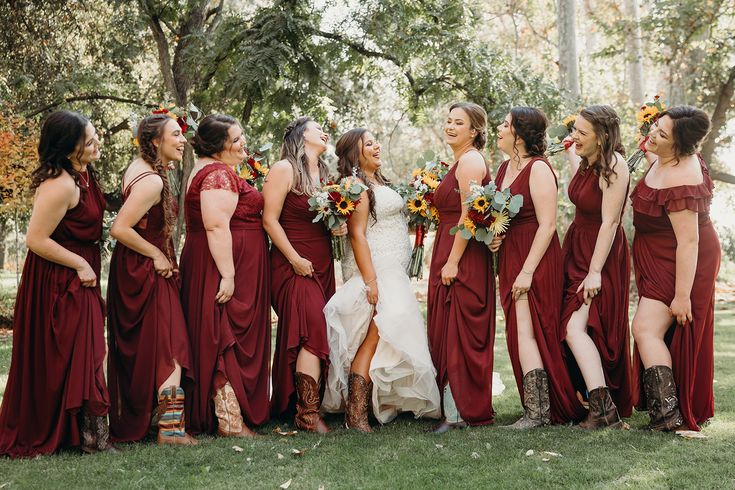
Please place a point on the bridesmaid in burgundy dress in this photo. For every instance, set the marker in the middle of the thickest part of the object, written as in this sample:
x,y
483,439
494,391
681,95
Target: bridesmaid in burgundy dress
x,y
225,274
56,394
461,295
530,275
597,269
676,254
149,346
303,274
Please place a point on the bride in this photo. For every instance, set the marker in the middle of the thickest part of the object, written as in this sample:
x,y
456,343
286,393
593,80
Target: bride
x,y
379,350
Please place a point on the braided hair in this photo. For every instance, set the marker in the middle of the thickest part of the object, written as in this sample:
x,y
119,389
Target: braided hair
x,y
529,124
606,125
150,129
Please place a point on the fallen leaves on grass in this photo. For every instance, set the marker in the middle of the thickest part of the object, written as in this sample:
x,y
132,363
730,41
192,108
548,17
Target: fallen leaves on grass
x,y
286,433
475,455
297,452
690,434
237,449
286,484
529,452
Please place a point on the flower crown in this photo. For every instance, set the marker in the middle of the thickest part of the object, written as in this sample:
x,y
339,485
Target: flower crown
x,y
186,119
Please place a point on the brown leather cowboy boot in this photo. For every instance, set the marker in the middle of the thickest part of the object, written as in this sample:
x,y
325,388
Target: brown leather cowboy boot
x,y
536,403
602,411
358,400
96,434
307,405
171,419
229,416
662,399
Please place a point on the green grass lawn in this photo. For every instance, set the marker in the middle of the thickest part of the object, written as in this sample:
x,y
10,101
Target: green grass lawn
x,y
403,455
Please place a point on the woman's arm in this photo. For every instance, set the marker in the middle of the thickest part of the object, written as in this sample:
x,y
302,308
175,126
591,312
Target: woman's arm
x,y
471,167
543,194
218,206
613,200
686,229
145,194
54,197
357,226
276,188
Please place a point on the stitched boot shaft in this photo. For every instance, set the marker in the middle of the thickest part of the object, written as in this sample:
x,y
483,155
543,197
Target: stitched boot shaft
x,y
662,399
171,419
358,401
602,411
307,405
536,403
95,434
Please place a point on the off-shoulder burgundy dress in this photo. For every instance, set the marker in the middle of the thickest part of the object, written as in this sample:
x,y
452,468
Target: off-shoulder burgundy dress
x,y
654,259
231,339
461,317
544,298
146,326
298,300
607,323
57,366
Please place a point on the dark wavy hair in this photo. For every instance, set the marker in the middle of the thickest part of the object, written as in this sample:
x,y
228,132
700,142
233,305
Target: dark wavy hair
x,y
211,135
293,150
606,126
150,128
348,150
691,126
478,121
529,124
61,134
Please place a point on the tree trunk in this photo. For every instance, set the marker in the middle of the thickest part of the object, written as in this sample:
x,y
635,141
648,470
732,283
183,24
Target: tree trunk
x,y
4,230
568,63
719,116
634,53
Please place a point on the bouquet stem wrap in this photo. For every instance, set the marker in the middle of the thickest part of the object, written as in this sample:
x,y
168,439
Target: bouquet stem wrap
x,y
416,266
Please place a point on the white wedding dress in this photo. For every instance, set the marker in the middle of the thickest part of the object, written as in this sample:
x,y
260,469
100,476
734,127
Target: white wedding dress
x,y
403,376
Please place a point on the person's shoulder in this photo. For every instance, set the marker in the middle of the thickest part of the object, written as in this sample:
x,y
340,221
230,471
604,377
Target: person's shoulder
x,y
472,159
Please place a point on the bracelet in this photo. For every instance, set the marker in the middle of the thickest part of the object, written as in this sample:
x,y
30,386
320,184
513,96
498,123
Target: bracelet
x,y
526,272
371,281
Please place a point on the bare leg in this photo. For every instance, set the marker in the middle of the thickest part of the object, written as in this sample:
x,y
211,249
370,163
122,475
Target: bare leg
x,y
308,363
174,378
361,362
528,352
652,320
584,349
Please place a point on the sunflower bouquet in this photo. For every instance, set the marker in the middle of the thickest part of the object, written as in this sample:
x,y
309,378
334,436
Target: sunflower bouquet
x,y
559,133
334,204
489,211
255,167
645,117
421,210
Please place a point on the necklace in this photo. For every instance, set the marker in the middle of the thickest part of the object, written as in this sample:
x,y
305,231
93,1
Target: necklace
x,y
84,179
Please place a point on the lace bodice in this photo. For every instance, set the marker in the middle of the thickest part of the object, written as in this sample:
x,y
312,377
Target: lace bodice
x,y
387,236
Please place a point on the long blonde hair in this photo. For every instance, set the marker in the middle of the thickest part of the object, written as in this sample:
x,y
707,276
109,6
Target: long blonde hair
x,y
294,151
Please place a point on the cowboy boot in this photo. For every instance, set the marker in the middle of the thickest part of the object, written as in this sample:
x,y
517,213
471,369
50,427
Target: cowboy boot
x,y
602,411
662,399
171,419
229,417
358,400
96,434
307,405
536,403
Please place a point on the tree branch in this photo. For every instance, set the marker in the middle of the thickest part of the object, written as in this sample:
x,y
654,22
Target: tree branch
x,y
719,115
79,98
164,58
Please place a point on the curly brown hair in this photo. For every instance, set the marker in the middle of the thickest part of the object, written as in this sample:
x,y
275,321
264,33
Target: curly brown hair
x,y
149,130
529,124
478,121
606,125
690,127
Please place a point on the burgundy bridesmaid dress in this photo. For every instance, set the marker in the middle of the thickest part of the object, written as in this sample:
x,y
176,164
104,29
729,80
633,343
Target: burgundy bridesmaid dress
x,y
607,324
146,326
461,317
654,258
231,339
544,298
298,300
57,366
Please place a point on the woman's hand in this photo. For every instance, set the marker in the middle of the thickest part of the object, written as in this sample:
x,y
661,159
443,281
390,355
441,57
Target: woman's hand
x,y
340,230
449,273
591,286
521,285
303,267
568,143
371,291
162,265
86,275
681,309
226,290
494,246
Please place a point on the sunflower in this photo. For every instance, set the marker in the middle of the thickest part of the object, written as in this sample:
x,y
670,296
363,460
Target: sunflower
x,y
261,169
647,114
431,181
416,172
500,222
469,225
480,204
569,120
245,172
416,205
345,206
